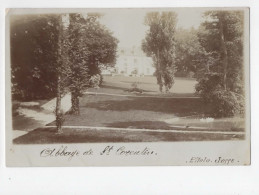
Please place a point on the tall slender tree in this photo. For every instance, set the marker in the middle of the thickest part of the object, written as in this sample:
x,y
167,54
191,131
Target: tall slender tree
x,y
77,50
223,36
159,43
90,46
61,73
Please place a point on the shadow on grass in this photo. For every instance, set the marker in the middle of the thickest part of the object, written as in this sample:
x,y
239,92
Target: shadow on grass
x,y
139,82
165,126
106,86
177,106
140,125
48,136
20,122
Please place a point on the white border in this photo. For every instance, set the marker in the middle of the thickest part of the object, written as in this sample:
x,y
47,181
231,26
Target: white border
x,y
137,180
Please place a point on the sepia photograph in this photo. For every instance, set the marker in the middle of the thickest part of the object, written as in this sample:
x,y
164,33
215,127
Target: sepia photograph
x,y
152,83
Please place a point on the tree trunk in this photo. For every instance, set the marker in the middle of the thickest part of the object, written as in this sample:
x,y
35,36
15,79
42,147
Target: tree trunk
x,y
74,103
159,75
59,115
225,53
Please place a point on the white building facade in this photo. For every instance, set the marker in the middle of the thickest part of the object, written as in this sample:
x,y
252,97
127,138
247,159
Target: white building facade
x,y
132,62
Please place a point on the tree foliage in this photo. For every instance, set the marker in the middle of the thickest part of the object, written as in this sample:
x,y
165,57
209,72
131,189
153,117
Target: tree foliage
x,y
89,46
34,45
49,58
188,52
159,43
222,39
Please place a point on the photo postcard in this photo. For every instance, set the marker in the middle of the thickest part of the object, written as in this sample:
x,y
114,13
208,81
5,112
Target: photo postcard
x,y
127,87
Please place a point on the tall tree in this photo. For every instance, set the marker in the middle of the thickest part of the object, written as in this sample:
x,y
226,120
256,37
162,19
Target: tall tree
x,y
61,72
222,83
37,59
222,37
78,74
159,43
90,46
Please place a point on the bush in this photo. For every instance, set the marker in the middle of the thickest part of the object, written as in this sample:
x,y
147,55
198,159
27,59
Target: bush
x,y
222,102
226,103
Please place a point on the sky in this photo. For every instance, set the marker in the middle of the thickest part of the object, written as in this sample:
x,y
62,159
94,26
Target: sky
x,y
128,24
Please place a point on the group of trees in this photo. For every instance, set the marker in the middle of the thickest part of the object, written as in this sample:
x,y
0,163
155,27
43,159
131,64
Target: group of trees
x,y
221,83
55,54
213,54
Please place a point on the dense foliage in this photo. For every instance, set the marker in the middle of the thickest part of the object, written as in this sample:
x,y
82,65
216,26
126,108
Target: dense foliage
x,y
159,43
90,46
221,78
188,52
33,42
85,46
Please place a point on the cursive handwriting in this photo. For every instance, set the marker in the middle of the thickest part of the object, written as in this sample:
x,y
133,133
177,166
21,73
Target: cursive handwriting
x,y
65,151
217,160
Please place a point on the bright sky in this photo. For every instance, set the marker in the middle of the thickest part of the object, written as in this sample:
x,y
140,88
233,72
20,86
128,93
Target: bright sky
x,y
128,24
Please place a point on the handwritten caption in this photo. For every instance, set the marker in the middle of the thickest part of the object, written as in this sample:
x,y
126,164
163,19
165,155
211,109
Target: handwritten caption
x,y
216,161
69,153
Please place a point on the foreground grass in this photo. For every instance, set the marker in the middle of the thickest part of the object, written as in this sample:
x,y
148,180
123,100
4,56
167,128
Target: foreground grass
x,y
108,111
48,135
149,113
154,111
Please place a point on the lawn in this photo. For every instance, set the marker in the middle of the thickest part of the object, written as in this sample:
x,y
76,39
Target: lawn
x,y
112,106
48,136
104,110
119,85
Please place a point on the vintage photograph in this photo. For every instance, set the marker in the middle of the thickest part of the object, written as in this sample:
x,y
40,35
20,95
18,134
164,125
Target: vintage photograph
x,y
142,75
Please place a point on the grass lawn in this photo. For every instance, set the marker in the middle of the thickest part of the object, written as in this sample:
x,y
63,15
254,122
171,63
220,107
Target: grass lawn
x,y
103,110
179,110
47,135
119,85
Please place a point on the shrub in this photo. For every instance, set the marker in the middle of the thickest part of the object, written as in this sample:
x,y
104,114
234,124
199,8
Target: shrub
x,y
226,103
221,102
